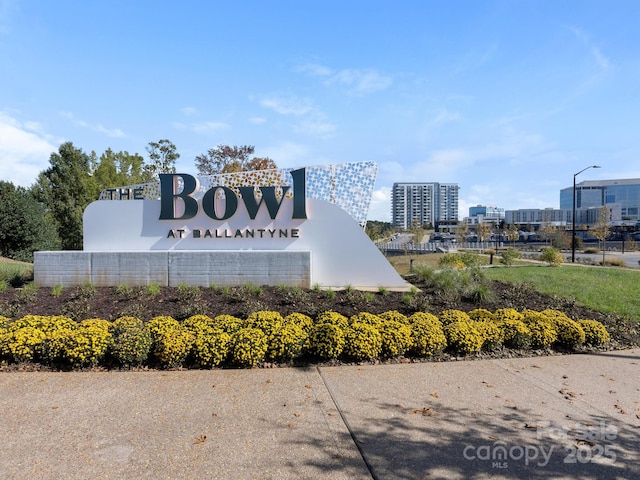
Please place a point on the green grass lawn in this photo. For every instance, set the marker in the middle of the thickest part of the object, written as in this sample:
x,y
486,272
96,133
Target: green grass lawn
x,y
614,290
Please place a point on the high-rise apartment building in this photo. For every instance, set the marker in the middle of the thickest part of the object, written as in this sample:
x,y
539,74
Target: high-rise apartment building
x,y
427,203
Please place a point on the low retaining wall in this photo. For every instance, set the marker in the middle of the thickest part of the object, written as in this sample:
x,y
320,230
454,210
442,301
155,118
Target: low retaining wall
x,y
173,268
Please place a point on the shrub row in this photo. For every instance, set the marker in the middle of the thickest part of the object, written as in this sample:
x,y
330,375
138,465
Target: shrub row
x,y
205,342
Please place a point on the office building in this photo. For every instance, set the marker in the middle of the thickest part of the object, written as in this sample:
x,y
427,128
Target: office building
x,y
624,193
485,214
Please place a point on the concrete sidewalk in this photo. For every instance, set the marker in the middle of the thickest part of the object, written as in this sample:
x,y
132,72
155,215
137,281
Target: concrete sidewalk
x,y
572,417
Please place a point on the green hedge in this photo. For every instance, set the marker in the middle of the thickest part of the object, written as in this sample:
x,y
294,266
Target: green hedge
x,y
204,342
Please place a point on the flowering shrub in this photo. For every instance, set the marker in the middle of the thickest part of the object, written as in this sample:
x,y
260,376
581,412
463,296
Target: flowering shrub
x,y
210,348
503,314
44,323
248,347
396,337
481,314
90,343
394,315
265,320
304,321
420,316
327,340
492,335
22,344
463,337
366,318
362,341
286,342
207,342
158,326
97,323
333,318
515,333
55,344
570,333
172,346
227,323
4,324
198,324
76,345
554,315
449,316
427,337
131,341
595,332
542,329
85,346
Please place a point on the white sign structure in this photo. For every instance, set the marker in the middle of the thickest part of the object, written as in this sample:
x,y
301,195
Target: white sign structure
x,y
198,231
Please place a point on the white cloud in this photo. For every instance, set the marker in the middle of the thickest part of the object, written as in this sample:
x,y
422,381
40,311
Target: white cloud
x,y
257,120
316,128
189,111
444,116
380,207
201,128
109,132
600,59
24,153
314,69
288,106
288,154
313,120
360,82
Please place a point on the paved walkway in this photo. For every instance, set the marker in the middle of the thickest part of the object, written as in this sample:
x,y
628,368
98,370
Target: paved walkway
x,y
568,417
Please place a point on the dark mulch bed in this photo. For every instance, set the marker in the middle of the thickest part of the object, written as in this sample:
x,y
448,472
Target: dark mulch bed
x,y
110,303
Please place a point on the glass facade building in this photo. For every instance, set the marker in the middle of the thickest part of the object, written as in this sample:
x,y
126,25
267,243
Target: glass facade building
x,y
485,214
596,193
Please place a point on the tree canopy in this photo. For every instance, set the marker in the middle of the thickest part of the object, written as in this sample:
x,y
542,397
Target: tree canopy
x,y
227,159
162,158
24,224
66,188
116,169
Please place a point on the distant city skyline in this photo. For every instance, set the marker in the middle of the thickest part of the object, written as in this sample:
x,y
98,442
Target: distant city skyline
x,y
506,99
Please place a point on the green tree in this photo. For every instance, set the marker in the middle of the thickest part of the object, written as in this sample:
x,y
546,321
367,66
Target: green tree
x,y
377,230
548,230
66,188
600,229
25,228
512,233
162,158
462,231
226,159
416,231
116,169
483,230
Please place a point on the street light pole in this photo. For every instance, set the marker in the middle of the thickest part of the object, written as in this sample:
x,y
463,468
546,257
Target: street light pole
x,y
573,218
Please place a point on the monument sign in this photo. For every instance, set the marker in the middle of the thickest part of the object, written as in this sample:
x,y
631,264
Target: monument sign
x,y
297,227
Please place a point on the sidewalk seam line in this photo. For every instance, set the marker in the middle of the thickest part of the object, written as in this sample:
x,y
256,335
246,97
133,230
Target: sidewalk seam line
x,y
346,424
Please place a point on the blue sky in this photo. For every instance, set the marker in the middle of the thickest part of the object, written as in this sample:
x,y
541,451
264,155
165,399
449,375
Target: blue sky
x,y
506,98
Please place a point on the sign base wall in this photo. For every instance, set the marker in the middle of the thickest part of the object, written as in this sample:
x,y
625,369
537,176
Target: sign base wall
x,y
173,268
